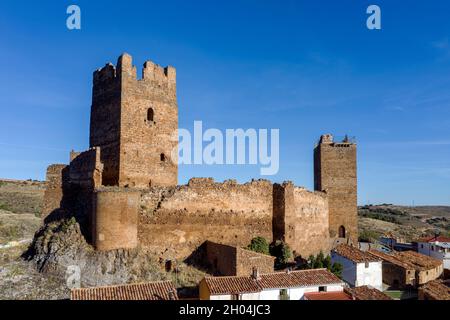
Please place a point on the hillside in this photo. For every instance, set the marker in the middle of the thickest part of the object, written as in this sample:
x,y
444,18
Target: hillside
x,y
406,222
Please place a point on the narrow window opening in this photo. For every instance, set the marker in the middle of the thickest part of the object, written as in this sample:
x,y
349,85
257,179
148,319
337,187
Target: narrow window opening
x,y
150,115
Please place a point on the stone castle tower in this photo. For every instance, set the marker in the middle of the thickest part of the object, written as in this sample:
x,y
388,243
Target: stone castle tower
x,y
335,173
134,122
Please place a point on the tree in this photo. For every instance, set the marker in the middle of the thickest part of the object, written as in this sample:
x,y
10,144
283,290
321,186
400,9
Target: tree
x,y
311,262
337,268
327,262
259,244
282,252
318,263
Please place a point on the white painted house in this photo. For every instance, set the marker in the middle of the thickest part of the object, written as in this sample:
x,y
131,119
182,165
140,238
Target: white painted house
x,y
360,268
437,247
290,285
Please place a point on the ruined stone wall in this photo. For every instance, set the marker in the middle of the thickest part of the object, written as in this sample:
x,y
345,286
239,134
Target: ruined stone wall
x,y
149,123
310,222
115,218
247,260
176,221
86,168
56,179
335,173
301,219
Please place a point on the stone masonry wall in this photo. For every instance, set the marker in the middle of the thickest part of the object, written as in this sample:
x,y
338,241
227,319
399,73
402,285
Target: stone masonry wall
x,y
105,121
115,218
54,192
149,123
335,173
176,221
301,219
228,260
311,222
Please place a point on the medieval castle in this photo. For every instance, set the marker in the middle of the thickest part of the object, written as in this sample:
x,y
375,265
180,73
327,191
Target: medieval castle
x,y
124,189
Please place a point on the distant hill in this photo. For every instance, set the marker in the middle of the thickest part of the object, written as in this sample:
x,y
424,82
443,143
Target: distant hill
x,y
407,222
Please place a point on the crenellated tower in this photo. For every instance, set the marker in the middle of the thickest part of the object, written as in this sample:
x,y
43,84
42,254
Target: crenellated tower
x,y
134,122
335,173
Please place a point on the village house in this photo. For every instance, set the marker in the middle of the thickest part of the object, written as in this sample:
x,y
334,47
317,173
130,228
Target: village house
x,y
437,247
162,290
435,290
290,285
408,268
360,268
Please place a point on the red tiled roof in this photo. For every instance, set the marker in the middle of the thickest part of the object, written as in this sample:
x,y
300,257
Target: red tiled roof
x,y
140,291
292,279
337,295
409,259
437,289
366,293
434,239
231,285
354,254
300,278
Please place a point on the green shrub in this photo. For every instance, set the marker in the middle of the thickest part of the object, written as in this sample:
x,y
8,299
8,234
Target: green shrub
x,y
368,236
282,253
259,244
337,269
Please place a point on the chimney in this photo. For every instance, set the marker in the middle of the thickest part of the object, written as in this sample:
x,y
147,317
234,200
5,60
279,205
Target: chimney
x,y
171,295
255,273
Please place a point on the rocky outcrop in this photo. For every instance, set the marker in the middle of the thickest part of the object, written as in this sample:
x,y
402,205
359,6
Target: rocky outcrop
x,y
60,245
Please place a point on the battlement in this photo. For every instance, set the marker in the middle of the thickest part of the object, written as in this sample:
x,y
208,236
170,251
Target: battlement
x,y
125,68
328,139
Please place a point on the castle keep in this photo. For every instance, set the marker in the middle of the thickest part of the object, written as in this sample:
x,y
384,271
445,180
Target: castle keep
x,y
124,189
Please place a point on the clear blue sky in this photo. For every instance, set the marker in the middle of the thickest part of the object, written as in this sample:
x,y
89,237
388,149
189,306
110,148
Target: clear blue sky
x,y
305,67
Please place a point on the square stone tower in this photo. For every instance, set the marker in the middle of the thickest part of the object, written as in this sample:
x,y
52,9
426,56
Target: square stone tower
x,y
335,173
134,122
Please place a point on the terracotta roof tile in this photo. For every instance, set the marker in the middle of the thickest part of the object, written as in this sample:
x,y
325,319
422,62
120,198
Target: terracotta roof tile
x,y
438,289
354,254
367,293
300,278
435,238
337,295
409,259
292,279
231,285
140,291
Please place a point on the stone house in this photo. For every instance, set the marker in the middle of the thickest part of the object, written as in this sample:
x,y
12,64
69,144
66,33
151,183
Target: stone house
x,y
408,268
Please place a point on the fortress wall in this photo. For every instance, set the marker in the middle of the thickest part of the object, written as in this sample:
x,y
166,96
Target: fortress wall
x,y
86,168
115,218
301,219
311,222
56,178
176,221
